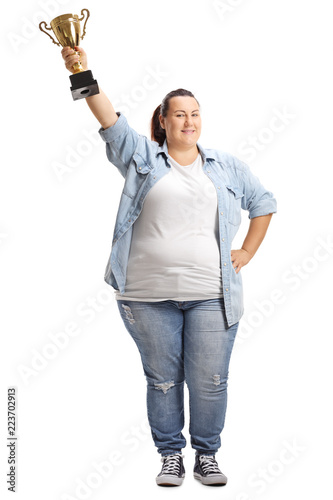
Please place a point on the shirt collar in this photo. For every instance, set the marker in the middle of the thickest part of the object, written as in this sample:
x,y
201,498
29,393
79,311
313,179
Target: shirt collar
x,y
205,153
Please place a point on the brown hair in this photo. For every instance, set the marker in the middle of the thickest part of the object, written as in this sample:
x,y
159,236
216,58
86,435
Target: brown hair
x,y
157,132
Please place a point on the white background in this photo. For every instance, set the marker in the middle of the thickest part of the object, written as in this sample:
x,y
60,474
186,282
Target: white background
x,y
245,61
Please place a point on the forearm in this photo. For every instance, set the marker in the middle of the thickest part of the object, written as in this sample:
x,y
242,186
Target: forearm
x,y
103,110
256,233
99,104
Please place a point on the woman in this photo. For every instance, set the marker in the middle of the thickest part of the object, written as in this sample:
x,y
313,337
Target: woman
x,y
177,281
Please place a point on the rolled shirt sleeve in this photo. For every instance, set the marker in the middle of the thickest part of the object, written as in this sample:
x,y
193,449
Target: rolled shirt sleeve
x,y
121,142
257,200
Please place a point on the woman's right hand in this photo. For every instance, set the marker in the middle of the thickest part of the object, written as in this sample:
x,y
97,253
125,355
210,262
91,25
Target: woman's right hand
x,y
98,103
71,58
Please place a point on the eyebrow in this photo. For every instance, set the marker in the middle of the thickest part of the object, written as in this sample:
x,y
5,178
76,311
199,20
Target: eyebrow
x,y
177,111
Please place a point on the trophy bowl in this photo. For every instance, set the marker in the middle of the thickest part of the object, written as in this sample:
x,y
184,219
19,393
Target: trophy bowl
x,y
67,30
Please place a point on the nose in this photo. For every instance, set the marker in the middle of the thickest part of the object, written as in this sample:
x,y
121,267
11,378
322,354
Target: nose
x,y
188,121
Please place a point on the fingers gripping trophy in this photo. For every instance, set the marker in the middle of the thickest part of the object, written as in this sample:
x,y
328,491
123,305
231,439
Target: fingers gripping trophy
x,y
67,30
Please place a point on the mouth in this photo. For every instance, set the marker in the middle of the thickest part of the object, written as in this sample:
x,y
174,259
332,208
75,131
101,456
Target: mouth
x,y
188,132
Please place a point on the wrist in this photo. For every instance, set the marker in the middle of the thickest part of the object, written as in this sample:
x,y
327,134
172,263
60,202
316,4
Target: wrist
x,y
251,254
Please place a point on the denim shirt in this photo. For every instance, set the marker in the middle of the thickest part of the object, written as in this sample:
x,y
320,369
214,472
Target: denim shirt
x,y
142,163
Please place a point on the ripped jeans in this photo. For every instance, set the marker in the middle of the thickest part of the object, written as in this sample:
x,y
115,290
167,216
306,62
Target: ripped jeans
x,y
183,341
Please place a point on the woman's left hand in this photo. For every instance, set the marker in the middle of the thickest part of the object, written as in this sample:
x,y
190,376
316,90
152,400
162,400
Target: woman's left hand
x,y
240,258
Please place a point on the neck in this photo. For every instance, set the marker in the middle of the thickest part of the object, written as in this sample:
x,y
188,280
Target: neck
x,y
184,157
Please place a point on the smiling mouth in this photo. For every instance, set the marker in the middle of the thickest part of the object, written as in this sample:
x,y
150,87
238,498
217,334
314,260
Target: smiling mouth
x,y
188,132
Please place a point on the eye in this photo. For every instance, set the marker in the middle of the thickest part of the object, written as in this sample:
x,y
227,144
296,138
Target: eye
x,y
181,114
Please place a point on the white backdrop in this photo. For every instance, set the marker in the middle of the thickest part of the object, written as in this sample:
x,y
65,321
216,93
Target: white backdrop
x,y
261,70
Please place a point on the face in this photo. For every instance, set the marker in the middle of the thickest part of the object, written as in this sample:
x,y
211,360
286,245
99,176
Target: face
x,y
182,123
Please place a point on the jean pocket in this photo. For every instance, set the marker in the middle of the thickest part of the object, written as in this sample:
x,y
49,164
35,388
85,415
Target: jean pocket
x,y
235,196
136,176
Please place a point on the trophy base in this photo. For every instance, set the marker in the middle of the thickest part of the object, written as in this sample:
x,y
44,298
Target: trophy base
x,y
83,85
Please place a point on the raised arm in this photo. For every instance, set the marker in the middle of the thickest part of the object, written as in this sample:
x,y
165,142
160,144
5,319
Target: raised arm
x,y
99,104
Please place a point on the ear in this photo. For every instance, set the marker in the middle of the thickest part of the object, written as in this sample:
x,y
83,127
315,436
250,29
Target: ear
x,y
161,118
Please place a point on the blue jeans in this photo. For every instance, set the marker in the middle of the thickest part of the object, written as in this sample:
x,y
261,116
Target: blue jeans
x,y
183,341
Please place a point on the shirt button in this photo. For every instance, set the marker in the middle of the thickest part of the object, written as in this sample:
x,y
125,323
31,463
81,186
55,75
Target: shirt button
x,y
225,264
140,168
222,239
219,187
208,171
227,289
221,213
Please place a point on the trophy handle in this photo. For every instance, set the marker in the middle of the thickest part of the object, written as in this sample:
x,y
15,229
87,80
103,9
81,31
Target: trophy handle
x,y
48,34
85,22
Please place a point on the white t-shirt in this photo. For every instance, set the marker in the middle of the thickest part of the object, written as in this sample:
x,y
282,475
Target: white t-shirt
x,y
174,252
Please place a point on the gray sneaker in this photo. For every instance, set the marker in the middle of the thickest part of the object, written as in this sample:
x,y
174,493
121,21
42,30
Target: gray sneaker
x,y
207,471
173,472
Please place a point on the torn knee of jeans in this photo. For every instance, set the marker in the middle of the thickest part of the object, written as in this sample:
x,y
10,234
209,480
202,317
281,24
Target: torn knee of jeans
x,y
129,314
216,379
164,386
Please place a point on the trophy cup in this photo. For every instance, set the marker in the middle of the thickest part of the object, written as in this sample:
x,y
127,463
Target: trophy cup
x,y
67,30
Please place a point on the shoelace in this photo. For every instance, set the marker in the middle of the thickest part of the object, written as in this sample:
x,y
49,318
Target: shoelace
x,y
209,465
171,464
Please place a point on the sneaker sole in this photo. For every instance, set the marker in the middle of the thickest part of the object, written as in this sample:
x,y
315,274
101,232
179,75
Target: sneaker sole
x,y
211,480
169,481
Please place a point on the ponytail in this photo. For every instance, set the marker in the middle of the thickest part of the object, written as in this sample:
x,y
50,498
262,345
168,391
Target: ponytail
x,y
157,132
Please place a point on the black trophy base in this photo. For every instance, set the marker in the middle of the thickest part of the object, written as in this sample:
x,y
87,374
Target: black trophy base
x,y
83,85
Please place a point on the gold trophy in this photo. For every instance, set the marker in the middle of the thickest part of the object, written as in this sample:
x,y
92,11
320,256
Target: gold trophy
x,y
67,30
